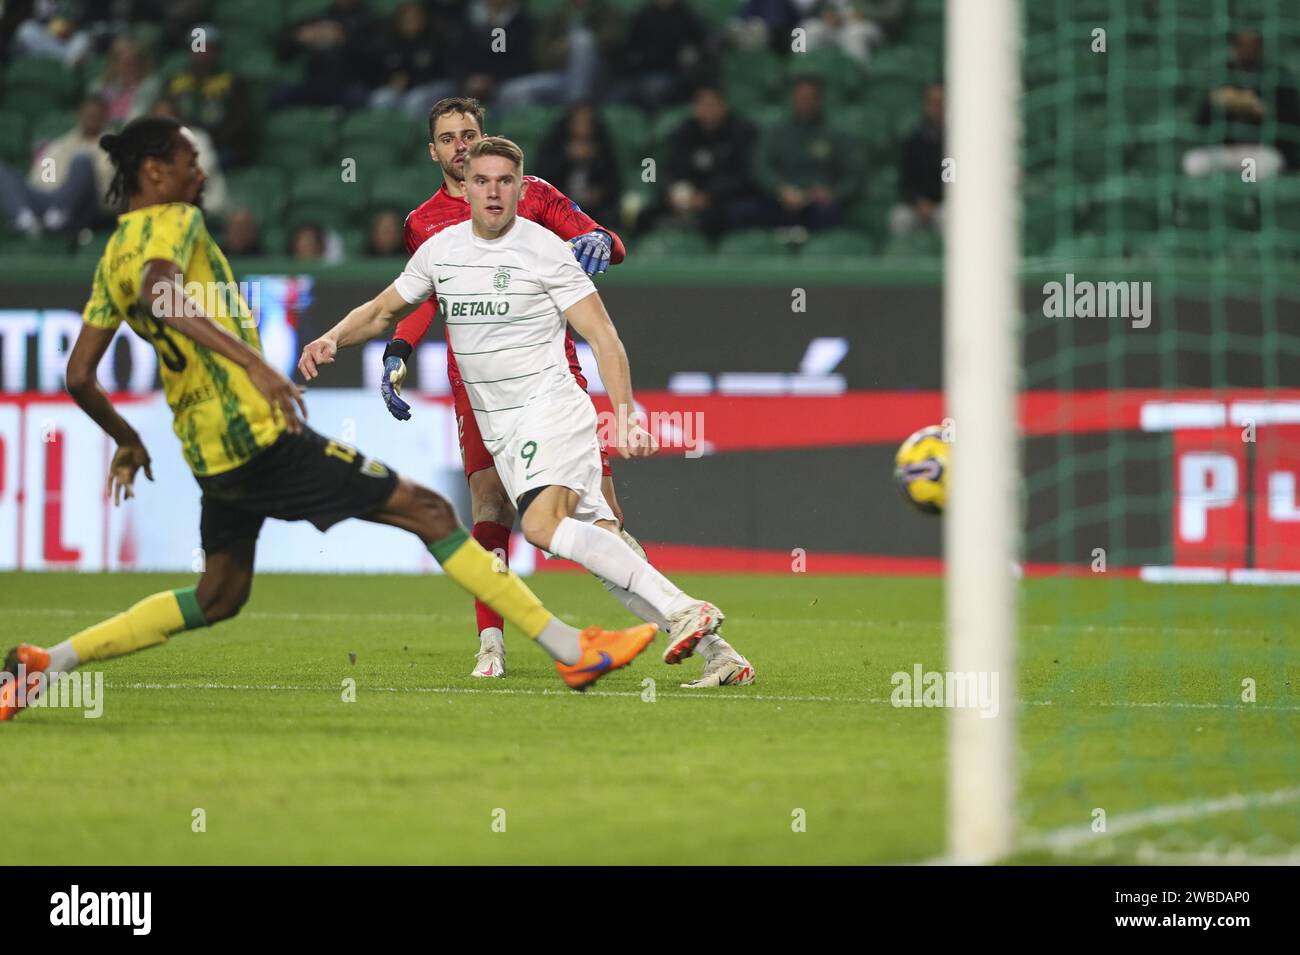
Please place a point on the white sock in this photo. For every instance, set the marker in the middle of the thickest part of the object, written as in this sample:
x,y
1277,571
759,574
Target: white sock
x,y
608,557
63,658
560,641
491,635
710,645
635,604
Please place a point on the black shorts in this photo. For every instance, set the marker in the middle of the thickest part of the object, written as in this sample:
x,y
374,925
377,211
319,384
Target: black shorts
x,y
302,477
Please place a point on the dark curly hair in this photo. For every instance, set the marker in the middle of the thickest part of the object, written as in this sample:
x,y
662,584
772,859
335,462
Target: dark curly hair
x,y
149,137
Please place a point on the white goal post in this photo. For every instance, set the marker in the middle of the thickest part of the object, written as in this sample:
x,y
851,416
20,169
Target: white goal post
x,y
980,325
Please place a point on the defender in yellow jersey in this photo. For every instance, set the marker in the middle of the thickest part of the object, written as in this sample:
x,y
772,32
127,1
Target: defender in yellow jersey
x,y
239,425
221,419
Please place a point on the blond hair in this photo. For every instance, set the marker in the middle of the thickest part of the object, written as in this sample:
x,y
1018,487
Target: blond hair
x,y
496,146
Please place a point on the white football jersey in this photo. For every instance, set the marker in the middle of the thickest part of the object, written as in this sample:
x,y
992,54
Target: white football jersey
x,y
503,301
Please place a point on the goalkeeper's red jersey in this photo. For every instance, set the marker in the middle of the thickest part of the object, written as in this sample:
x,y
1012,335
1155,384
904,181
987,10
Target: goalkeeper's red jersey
x,y
542,203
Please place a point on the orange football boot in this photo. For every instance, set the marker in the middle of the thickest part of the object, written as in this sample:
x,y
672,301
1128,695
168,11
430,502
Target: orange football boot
x,y
604,651
34,661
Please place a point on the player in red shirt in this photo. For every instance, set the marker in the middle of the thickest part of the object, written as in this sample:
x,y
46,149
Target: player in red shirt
x,y
455,124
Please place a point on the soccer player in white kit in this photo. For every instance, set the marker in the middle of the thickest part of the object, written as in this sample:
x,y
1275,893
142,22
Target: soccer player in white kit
x,y
505,288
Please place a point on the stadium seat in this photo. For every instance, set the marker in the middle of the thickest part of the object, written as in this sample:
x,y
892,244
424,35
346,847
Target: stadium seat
x,y
926,31
374,164
354,242
837,243
877,130
32,78
405,189
266,16
325,186
526,125
669,244
842,76
382,127
629,130
50,126
870,217
263,71
275,240
14,144
296,10
752,243
716,13
907,61
173,63
920,245
542,8
307,131
260,190
753,78
666,122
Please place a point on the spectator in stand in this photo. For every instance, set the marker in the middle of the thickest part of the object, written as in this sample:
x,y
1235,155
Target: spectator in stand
x,y
214,187
812,169
841,24
920,171
1257,112
762,23
335,45
573,44
485,62
411,62
242,236
709,184
129,84
216,99
53,31
310,242
66,187
577,157
387,238
664,52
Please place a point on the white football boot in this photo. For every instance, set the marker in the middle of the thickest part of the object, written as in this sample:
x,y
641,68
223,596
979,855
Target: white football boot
x,y
725,667
701,619
491,659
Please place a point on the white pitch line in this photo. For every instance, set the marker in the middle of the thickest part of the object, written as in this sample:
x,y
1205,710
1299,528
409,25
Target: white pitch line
x,y
504,691
727,695
863,621
1072,837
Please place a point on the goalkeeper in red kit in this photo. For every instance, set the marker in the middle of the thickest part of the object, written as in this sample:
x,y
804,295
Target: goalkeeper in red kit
x,y
455,124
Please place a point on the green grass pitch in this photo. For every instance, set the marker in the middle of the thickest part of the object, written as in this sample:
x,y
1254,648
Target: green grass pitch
x,y
1131,703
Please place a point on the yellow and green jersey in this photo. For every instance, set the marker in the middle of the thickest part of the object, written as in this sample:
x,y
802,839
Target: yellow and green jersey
x,y
221,419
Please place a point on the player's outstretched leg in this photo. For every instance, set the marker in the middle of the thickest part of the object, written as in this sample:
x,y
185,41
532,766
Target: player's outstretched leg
x,y
548,524
220,593
581,657
493,515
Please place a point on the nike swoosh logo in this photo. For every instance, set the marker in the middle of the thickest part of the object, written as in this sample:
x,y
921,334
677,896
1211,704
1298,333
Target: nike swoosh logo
x,y
529,477
446,278
605,662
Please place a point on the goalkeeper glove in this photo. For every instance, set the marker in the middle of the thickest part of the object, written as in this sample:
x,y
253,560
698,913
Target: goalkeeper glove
x,y
592,250
391,385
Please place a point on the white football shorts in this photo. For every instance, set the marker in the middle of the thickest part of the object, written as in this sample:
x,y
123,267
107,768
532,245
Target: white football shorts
x,y
555,442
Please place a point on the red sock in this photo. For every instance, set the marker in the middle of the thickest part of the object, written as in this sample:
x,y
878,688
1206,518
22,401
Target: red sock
x,y
493,537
